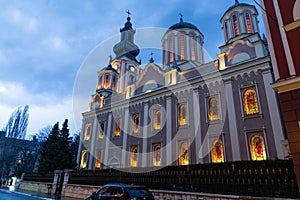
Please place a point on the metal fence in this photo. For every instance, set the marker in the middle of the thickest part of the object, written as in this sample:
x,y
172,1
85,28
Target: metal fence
x,y
254,178
45,178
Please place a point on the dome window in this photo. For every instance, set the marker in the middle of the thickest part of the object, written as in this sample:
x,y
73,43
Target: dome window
x,y
181,42
235,25
248,23
171,49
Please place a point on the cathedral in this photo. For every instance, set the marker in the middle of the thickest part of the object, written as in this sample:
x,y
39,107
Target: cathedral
x,y
188,110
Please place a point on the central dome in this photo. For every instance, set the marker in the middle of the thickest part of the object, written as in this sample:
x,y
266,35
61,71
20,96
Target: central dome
x,y
183,25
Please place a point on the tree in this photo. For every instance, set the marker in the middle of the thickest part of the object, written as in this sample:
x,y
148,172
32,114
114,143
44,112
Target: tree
x,y
16,126
56,151
43,133
74,147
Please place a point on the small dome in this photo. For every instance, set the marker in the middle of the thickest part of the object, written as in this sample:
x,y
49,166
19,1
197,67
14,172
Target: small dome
x,y
237,3
182,25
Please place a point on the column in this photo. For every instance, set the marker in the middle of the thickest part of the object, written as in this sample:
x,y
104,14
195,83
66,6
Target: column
x,y
93,140
145,135
80,143
277,128
125,130
235,146
169,131
197,125
107,138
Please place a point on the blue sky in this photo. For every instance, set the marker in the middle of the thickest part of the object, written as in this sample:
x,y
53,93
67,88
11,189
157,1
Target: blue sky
x,y
43,44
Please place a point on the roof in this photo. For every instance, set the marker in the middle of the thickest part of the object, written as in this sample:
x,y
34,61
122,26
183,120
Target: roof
x,y
181,24
236,4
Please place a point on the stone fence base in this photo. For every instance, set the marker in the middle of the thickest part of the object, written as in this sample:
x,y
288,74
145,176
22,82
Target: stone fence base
x,y
45,188
78,191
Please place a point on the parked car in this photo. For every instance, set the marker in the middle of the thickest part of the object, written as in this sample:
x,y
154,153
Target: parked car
x,y
121,192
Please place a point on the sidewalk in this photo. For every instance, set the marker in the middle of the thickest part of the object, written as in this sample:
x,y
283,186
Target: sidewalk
x,y
36,194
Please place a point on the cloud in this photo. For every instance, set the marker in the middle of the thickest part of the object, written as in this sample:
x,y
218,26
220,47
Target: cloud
x,y
56,43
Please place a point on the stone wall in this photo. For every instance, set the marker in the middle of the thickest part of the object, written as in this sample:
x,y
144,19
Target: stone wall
x,y
45,188
78,191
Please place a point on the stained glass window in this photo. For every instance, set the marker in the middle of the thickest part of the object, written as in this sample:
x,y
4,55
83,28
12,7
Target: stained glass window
x,y
248,22
156,155
157,119
250,102
235,25
217,155
182,115
257,148
213,109
98,157
133,156
183,154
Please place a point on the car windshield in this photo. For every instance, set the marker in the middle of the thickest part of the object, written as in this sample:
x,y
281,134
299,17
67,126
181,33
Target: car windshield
x,y
138,191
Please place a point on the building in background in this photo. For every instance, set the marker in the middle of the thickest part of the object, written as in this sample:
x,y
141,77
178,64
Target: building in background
x,y
282,21
187,111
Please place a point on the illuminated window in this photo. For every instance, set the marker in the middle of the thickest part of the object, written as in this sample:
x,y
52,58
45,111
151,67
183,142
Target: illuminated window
x,y
157,120
135,124
182,114
183,154
257,148
101,131
250,102
106,84
213,109
217,155
193,46
171,49
117,131
100,83
98,158
133,156
235,25
181,42
248,22
84,156
87,133
113,83
156,155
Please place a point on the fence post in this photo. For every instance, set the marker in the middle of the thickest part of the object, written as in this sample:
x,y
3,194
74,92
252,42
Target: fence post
x,y
67,174
56,181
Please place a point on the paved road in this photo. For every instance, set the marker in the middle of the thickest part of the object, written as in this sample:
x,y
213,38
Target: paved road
x,y
8,195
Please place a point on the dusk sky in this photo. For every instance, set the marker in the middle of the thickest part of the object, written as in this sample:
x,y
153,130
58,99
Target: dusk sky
x,y
44,43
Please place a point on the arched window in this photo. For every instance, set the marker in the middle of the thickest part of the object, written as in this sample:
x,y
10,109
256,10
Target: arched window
x,y
257,148
101,131
100,83
213,109
157,120
156,155
171,48
84,156
226,31
98,162
133,156
248,23
181,42
217,155
182,114
183,154
250,102
87,133
135,124
106,84
235,25
117,131
113,83
192,46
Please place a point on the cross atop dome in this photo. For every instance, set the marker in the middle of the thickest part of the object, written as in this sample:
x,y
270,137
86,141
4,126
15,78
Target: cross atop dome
x,y
237,2
128,13
181,15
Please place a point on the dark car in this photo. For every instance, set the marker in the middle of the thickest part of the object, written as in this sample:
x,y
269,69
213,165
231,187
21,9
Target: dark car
x,y
121,192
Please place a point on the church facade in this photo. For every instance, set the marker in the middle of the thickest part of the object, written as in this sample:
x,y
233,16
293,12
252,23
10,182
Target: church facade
x,y
187,111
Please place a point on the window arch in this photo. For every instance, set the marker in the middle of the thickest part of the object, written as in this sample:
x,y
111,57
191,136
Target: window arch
x,y
171,48
217,154
156,154
84,156
113,83
235,25
250,102
257,148
192,45
213,109
106,83
248,23
182,114
133,156
135,123
101,131
226,31
181,43
183,154
157,120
